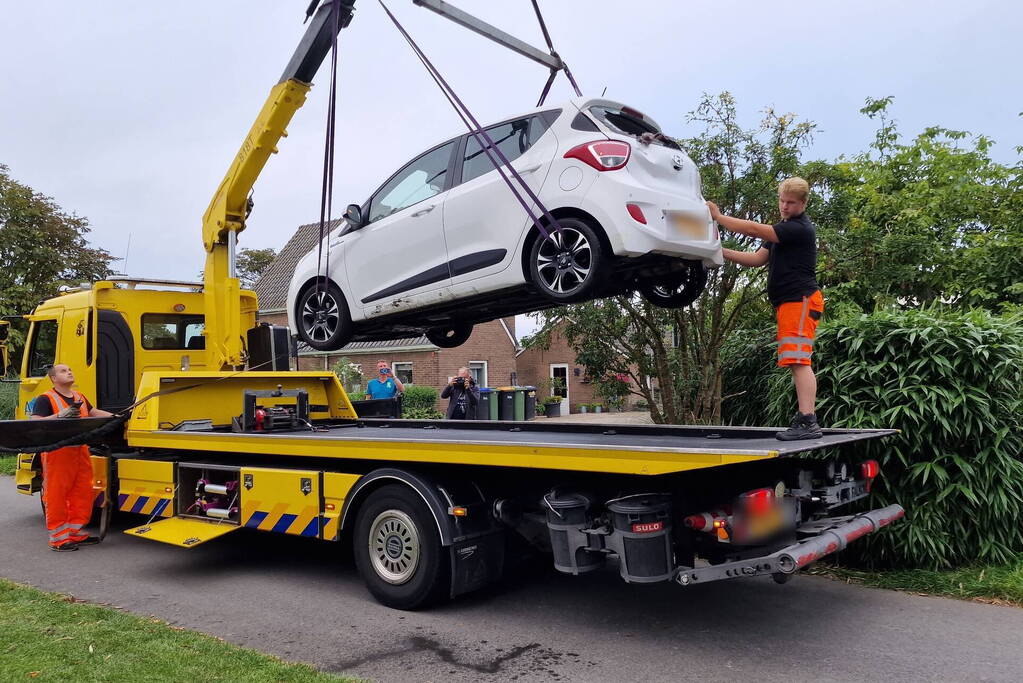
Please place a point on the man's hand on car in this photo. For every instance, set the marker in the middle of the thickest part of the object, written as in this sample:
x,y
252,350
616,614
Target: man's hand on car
x,y
715,212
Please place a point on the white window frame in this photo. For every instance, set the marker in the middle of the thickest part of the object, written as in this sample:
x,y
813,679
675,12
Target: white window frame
x,y
411,370
486,372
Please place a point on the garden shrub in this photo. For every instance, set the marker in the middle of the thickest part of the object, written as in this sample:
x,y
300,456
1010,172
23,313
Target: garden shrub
x,y
951,382
8,399
419,403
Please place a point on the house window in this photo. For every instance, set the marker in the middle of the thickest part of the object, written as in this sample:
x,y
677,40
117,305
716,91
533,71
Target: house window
x,y
403,371
478,370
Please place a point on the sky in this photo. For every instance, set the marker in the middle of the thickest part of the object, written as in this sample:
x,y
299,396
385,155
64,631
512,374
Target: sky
x,y
130,113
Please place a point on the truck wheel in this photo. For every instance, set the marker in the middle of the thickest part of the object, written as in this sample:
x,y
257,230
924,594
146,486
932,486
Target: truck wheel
x,y
679,292
398,550
324,322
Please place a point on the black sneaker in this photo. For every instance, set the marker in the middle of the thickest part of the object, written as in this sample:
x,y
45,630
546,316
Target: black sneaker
x,y
90,540
803,427
66,548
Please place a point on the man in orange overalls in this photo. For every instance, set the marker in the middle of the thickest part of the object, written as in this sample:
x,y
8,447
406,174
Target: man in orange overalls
x,y
67,472
789,249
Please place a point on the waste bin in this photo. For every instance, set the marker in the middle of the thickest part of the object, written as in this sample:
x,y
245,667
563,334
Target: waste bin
x,y
483,409
520,403
493,404
506,403
530,403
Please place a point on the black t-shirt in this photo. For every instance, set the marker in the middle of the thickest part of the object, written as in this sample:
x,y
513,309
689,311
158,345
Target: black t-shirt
x,y
42,407
792,264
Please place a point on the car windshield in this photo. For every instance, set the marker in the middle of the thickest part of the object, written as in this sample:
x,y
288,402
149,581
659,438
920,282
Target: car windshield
x,y
621,120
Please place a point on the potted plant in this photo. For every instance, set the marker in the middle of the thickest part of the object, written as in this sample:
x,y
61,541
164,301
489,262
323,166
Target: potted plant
x,y
552,406
583,407
597,407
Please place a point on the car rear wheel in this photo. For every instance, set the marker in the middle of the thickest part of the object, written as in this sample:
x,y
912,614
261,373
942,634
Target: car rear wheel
x,y
449,337
678,291
323,319
567,266
398,550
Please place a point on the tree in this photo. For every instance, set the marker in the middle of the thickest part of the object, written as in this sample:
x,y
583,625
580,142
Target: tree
x,y
934,219
681,350
251,263
41,248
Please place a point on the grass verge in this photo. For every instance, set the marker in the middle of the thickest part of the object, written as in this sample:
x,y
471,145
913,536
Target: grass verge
x,y
55,637
999,584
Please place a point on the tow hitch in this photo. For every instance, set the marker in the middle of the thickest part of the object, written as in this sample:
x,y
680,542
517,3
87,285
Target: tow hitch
x,y
830,535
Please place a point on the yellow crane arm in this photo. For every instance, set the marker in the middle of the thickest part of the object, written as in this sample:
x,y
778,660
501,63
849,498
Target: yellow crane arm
x,y
226,214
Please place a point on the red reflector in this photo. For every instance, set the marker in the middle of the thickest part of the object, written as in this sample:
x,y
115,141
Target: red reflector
x,y
695,521
870,469
647,527
603,155
636,213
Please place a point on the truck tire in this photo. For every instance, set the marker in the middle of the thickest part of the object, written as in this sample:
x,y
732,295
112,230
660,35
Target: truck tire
x,y
398,550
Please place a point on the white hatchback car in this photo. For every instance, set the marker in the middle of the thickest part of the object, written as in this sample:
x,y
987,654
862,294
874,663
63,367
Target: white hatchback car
x,y
444,244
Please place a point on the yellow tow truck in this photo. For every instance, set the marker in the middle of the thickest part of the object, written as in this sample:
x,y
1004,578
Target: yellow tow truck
x,y
218,435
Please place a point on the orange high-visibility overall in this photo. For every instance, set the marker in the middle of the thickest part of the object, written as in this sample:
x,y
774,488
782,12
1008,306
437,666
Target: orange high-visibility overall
x,y
67,483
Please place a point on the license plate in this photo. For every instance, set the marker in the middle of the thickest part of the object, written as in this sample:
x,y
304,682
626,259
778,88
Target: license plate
x,y
687,226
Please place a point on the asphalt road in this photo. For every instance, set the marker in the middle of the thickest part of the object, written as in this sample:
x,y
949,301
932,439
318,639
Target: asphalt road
x,y
300,600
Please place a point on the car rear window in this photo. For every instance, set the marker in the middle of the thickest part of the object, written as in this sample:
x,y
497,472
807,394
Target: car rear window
x,y
620,120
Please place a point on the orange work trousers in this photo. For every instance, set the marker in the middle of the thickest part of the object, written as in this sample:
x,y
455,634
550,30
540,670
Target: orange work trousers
x,y
67,493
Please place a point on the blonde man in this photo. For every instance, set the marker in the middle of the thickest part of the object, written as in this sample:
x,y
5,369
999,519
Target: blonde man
x,y
789,250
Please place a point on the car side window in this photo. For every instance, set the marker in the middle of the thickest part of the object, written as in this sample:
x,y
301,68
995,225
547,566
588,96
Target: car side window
x,y
513,138
421,179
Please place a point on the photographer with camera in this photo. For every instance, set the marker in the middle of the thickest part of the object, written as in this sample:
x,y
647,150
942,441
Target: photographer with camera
x,y
464,396
386,385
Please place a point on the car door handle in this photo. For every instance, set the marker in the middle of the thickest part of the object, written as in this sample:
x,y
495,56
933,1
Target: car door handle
x,y
530,169
423,212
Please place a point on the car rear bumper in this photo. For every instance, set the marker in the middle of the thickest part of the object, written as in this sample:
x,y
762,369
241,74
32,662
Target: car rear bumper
x,y
829,535
608,200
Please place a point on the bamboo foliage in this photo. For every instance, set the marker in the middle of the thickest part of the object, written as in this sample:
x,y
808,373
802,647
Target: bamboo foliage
x,y
951,382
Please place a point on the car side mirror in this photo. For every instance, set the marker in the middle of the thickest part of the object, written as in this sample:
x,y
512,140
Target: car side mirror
x,y
354,215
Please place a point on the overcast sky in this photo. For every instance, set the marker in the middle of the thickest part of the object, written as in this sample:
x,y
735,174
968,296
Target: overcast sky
x,y
130,113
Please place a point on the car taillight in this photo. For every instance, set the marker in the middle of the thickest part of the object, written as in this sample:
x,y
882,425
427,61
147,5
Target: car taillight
x,y
603,155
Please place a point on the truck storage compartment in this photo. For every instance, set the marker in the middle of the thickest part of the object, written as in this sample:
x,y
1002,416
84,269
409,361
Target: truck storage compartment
x,y
567,515
641,537
209,492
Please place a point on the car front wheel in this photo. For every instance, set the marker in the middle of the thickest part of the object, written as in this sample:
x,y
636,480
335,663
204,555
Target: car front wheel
x,y
567,265
323,319
677,292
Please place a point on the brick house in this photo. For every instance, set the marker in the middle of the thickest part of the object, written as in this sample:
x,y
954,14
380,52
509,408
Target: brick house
x,y
537,365
490,353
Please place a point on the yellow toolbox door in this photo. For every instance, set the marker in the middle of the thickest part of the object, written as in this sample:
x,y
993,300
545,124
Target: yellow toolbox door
x,y
183,531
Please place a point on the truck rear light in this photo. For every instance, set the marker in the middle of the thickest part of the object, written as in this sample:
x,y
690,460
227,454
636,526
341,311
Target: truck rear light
x,y
603,155
870,469
757,501
636,213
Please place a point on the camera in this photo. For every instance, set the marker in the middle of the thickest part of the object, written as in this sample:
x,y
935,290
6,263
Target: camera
x,y
460,382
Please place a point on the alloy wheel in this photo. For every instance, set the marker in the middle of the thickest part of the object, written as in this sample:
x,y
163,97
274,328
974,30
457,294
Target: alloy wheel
x,y
321,316
564,260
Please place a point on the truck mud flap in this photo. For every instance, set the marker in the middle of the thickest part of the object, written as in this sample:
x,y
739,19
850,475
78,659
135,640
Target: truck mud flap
x,y
831,535
182,532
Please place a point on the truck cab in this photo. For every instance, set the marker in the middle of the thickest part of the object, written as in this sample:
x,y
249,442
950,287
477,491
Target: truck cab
x,y
114,330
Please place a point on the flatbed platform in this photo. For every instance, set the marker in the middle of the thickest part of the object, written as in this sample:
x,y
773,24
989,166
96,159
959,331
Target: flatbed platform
x,y
623,449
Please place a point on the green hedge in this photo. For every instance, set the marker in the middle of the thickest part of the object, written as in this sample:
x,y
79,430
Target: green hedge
x,y
8,400
420,403
951,382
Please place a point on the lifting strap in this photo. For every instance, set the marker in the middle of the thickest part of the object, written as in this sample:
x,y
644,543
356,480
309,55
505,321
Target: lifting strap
x,y
483,139
554,72
327,187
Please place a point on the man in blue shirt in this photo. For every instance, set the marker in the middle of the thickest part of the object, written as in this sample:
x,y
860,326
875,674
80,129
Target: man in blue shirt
x,y
386,385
